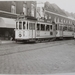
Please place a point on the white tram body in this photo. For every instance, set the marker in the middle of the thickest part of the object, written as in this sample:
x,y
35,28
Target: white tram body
x,y
25,29
33,29
64,30
44,30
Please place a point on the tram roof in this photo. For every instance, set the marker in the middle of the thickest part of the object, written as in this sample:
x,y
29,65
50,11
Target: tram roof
x,y
31,18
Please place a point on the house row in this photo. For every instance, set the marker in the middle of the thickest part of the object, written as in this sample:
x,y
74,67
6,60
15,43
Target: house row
x,y
9,10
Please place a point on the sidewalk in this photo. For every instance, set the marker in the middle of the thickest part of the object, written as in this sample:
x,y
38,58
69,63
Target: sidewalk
x,y
6,41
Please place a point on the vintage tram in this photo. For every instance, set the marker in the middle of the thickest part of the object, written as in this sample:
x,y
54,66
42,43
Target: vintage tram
x,y
30,29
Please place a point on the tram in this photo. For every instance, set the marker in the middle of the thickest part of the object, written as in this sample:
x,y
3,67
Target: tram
x,y
64,30
30,29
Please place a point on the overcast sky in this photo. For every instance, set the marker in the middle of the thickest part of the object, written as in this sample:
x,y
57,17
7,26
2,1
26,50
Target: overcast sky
x,y
68,5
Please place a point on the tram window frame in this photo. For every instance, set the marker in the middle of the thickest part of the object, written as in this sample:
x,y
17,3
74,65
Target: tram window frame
x,y
30,26
16,25
42,27
20,25
47,27
38,27
27,26
24,25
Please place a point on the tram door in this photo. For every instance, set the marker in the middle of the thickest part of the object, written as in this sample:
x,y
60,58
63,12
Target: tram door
x,y
32,29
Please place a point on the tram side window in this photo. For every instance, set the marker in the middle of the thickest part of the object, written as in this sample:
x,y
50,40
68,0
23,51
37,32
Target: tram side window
x,y
42,27
38,26
20,25
32,26
47,28
27,25
23,25
70,29
64,28
51,27
16,25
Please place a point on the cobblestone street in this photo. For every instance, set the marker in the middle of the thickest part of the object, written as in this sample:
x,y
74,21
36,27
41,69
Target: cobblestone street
x,y
41,58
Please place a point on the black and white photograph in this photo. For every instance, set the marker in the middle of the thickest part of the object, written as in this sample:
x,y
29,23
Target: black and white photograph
x,y
37,37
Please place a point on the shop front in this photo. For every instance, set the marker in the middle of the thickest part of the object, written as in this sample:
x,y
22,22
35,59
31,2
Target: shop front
x,y
7,28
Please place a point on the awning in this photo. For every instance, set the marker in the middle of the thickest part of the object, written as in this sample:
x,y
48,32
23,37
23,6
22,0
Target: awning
x,y
7,22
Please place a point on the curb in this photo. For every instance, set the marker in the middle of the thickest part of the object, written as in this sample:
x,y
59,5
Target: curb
x,y
6,42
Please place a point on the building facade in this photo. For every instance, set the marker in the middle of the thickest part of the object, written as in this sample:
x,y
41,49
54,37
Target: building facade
x,y
51,14
9,10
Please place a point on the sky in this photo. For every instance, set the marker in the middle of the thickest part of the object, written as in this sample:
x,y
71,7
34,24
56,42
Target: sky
x,y
68,5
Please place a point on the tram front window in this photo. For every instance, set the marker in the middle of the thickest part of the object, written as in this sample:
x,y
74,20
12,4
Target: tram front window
x,y
20,25
23,25
16,25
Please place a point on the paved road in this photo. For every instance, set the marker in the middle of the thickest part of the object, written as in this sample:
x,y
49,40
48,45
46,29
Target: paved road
x,y
41,58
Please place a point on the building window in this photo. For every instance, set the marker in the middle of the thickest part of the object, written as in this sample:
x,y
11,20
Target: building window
x,y
45,16
32,10
66,21
13,9
49,17
55,19
62,20
58,20
69,22
24,8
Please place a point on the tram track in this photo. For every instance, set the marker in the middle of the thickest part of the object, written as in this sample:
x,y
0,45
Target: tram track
x,y
28,44
22,48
